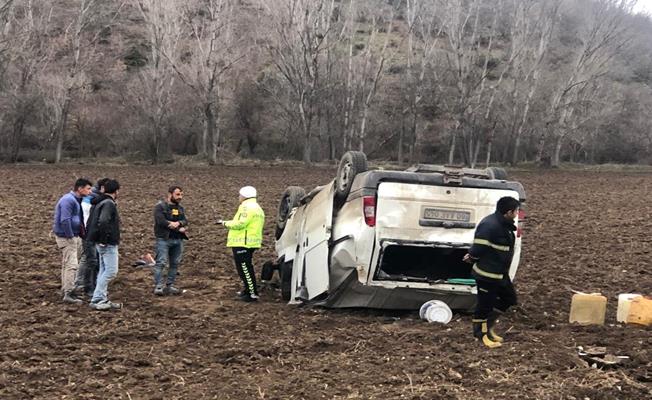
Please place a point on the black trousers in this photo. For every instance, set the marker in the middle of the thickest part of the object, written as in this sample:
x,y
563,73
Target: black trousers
x,y
494,294
88,268
244,266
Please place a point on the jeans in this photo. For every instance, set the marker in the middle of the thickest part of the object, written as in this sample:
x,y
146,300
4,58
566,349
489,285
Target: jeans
x,y
167,250
108,256
72,250
88,268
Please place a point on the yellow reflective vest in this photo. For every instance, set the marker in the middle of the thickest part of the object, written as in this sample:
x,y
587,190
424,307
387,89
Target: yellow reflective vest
x,y
246,227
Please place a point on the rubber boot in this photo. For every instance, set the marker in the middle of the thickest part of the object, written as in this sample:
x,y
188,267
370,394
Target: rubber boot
x,y
491,322
481,332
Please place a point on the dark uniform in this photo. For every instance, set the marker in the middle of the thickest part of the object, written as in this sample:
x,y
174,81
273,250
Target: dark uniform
x,y
492,252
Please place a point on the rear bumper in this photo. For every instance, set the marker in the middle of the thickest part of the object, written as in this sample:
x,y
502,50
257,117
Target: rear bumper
x,y
353,294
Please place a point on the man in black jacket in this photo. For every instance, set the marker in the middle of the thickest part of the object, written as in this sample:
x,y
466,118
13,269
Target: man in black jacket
x,y
491,254
88,264
170,226
104,231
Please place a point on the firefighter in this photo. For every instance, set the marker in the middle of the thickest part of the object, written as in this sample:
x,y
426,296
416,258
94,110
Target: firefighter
x,y
491,255
245,236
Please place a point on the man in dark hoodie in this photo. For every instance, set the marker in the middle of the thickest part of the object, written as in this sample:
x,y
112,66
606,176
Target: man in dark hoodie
x,y
104,231
68,227
88,264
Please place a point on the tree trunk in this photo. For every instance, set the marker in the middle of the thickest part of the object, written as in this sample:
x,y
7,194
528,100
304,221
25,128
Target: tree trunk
x,y
541,146
157,143
307,150
216,137
490,142
210,133
206,132
17,136
306,125
451,151
517,145
61,127
400,142
329,134
363,126
557,153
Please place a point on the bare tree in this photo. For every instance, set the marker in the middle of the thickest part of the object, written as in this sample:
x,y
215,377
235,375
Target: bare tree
x,y
25,32
465,28
602,34
164,30
297,46
535,28
422,39
364,68
210,54
60,89
5,8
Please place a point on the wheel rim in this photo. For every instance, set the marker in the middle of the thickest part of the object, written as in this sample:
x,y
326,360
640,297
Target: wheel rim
x,y
285,207
344,176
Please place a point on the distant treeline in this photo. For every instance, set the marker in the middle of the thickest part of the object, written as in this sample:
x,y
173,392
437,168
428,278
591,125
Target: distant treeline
x,y
449,81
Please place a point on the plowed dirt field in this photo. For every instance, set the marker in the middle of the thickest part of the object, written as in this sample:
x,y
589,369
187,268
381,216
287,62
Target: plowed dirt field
x,y
585,231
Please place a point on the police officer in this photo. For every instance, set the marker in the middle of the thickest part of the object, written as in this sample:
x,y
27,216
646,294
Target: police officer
x,y
245,236
491,255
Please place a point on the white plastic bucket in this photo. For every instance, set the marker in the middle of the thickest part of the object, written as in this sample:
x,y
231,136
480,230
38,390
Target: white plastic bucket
x,y
624,301
424,307
436,311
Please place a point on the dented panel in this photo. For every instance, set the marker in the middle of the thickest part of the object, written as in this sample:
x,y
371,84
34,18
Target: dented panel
x,y
310,272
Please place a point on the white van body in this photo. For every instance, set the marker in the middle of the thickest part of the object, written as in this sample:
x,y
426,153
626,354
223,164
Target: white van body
x,y
396,241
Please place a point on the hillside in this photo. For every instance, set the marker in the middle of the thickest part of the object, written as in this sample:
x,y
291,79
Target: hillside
x,y
441,81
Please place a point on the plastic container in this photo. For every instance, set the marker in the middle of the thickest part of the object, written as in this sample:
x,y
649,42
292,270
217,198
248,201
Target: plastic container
x,y
624,301
436,311
439,312
588,309
640,311
424,308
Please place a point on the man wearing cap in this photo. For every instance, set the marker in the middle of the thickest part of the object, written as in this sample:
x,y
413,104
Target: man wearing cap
x,y
244,237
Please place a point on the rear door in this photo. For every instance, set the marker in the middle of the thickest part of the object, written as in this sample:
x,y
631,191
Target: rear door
x,y
431,214
311,266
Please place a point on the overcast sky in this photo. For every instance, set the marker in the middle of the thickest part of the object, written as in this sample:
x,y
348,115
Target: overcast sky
x,y
644,5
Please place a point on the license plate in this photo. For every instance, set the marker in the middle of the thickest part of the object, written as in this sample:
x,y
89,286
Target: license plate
x,y
439,214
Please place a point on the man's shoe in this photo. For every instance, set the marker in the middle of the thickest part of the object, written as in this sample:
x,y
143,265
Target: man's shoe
x,y
71,299
491,323
115,306
78,291
158,291
490,343
100,306
249,298
241,294
106,305
173,291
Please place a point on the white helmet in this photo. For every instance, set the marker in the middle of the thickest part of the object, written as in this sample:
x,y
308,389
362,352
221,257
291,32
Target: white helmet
x,y
248,192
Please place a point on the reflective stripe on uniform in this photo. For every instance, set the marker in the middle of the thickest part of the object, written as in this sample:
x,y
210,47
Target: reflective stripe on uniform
x,y
485,273
492,245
